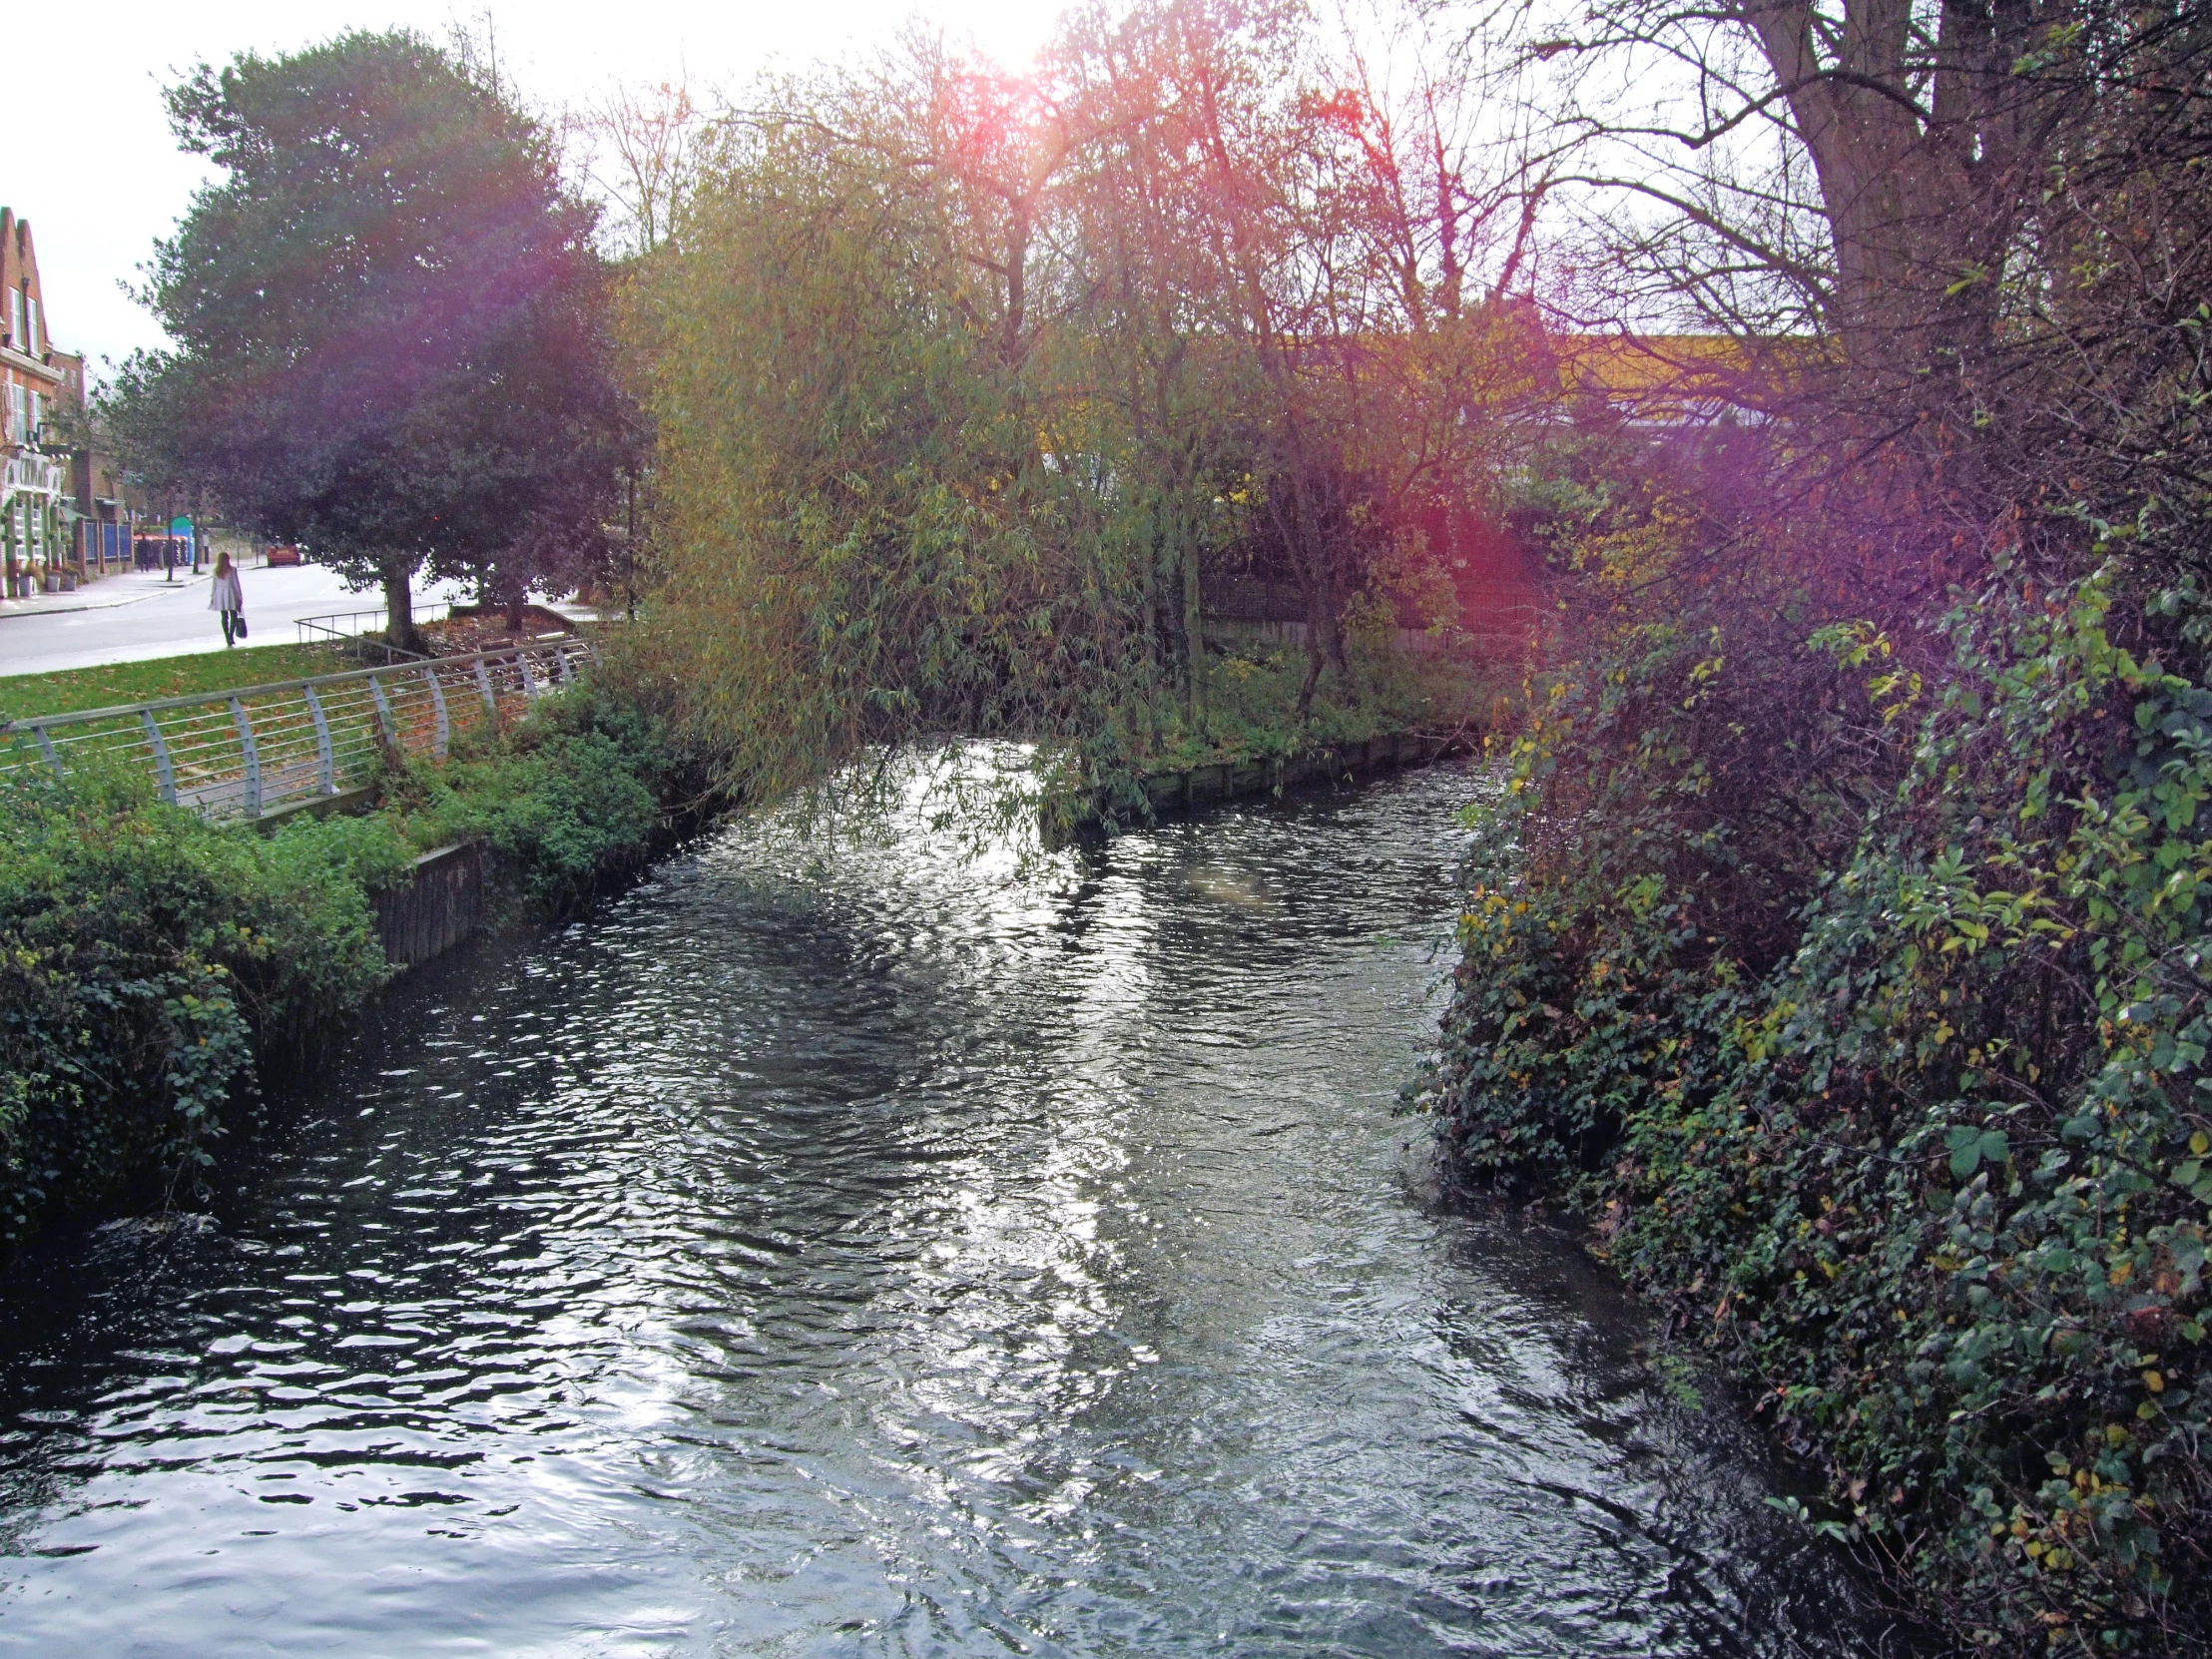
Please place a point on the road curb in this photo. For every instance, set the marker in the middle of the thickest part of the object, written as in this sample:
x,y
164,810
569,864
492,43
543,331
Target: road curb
x,y
96,604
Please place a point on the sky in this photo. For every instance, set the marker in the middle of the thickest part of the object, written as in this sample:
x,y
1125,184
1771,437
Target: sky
x,y
103,177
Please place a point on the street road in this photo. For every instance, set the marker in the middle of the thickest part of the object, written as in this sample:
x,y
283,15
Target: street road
x,y
130,617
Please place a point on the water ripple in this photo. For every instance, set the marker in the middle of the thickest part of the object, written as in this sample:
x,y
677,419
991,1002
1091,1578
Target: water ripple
x,y
887,1253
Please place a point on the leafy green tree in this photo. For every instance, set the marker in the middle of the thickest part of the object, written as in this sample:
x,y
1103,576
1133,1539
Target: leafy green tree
x,y
388,320
843,481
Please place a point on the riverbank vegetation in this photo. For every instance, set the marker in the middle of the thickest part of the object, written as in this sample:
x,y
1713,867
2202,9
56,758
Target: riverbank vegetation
x,y
1840,942
154,965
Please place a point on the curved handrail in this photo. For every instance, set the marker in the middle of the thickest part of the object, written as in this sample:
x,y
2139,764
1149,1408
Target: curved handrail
x,y
248,749
267,688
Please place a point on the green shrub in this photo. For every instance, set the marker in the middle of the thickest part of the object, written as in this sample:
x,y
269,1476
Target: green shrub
x,y
570,795
1249,713
1938,1174
144,955
1252,697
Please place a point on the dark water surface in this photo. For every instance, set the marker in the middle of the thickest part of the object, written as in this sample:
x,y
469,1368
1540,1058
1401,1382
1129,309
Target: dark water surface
x,y
883,1254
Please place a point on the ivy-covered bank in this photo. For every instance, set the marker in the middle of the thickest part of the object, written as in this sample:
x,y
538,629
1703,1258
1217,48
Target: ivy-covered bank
x,y
150,960
1934,1174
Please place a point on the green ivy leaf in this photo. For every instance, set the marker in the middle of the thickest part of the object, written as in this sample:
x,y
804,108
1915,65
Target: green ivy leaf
x,y
1970,1148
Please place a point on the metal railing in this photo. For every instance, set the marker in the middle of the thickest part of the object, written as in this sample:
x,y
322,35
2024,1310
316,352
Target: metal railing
x,y
347,627
248,752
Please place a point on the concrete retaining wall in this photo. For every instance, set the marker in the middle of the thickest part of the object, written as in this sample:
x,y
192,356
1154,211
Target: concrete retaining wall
x,y
1170,793
440,908
1173,793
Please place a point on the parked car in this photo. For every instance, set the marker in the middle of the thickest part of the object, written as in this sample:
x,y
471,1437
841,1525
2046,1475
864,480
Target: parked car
x,y
283,556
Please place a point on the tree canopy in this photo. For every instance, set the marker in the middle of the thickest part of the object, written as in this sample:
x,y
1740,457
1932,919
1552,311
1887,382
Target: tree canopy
x,y
975,391
388,324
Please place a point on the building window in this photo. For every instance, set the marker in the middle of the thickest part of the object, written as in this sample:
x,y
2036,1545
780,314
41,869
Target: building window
x,y
30,327
16,296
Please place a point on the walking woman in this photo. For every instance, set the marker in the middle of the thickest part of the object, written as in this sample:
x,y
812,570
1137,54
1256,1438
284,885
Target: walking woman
x,y
224,595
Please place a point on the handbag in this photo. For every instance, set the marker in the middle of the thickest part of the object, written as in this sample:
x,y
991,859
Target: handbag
x,y
240,624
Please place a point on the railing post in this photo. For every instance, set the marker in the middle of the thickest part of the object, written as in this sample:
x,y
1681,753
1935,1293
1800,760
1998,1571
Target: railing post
x,y
529,674
438,701
484,684
383,710
561,671
327,772
165,774
253,759
46,748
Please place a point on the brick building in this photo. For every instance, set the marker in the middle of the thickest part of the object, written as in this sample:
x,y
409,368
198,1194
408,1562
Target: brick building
x,y
64,513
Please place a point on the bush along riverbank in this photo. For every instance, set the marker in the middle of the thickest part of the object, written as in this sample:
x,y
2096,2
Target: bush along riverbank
x,y
1895,1093
150,961
1248,734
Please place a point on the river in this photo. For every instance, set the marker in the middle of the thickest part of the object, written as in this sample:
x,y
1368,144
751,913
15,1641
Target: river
x,y
890,1250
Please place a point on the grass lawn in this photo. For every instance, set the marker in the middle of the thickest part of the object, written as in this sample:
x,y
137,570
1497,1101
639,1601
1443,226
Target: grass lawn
x,y
208,671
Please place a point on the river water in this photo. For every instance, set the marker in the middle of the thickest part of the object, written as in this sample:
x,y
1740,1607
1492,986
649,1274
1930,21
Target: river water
x,y
889,1251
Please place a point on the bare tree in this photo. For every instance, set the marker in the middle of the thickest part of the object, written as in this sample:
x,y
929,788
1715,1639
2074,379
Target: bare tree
x,y
1861,166
1974,233
646,156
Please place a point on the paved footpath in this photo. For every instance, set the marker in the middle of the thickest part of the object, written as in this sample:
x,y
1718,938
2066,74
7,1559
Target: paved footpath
x,y
135,615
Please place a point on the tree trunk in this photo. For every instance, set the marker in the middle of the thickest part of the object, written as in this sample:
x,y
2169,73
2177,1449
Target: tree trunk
x,y
1916,251
1312,669
1333,618
400,623
1193,634
630,549
1289,526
